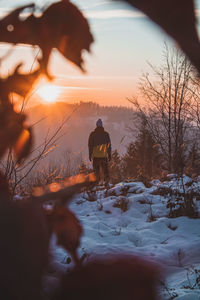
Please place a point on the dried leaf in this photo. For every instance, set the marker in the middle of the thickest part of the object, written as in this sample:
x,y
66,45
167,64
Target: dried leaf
x,y
61,26
17,83
23,145
11,124
13,132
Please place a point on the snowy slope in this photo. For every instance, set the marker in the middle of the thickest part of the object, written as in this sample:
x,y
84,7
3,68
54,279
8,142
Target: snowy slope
x,y
130,218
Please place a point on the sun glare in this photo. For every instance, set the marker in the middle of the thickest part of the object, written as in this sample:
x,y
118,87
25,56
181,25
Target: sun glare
x,y
49,93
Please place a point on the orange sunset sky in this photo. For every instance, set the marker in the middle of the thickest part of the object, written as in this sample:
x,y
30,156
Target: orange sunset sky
x,y
125,41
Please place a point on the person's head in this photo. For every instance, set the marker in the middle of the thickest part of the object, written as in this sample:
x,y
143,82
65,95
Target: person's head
x,y
99,123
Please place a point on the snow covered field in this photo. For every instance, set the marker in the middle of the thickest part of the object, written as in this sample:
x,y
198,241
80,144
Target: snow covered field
x,y
131,218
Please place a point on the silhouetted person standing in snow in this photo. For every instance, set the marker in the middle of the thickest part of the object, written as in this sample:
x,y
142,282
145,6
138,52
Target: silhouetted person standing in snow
x,y
99,145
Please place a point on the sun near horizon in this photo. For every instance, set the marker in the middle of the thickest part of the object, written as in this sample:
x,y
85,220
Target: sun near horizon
x,y
49,93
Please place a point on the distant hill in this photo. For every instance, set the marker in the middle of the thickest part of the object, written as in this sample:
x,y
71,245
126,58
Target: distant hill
x,y
80,121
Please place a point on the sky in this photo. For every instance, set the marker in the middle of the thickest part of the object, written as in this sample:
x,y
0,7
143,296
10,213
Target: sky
x,y
125,41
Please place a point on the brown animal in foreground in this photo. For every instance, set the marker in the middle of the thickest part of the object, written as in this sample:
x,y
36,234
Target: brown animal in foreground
x,y
61,26
118,277
177,18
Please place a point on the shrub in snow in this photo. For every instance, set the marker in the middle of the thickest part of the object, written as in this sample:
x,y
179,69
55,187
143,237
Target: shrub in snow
x,y
122,203
193,278
99,205
169,293
151,217
181,196
182,205
90,195
162,191
143,158
170,226
180,256
115,168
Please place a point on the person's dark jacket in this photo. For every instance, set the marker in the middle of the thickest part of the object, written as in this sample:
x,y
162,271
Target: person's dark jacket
x,y
99,143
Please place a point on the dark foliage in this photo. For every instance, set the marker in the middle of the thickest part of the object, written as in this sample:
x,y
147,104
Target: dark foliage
x,y
25,225
193,161
17,83
171,227
25,229
14,133
83,169
24,247
182,205
115,167
111,278
122,203
61,26
143,158
130,162
193,283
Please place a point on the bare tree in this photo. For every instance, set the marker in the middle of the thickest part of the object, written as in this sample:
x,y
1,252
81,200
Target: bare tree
x,y
166,100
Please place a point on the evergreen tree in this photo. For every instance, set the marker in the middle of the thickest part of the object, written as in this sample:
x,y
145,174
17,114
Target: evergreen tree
x,y
83,168
129,163
143,158
193,161
147,153
115,167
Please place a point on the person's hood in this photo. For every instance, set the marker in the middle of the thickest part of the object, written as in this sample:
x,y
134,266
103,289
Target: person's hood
x,y
99,129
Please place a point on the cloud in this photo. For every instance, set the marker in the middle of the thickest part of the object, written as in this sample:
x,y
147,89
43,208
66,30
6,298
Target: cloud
x,y
115,13
91,14
60,76
4,11
98,4
82,88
